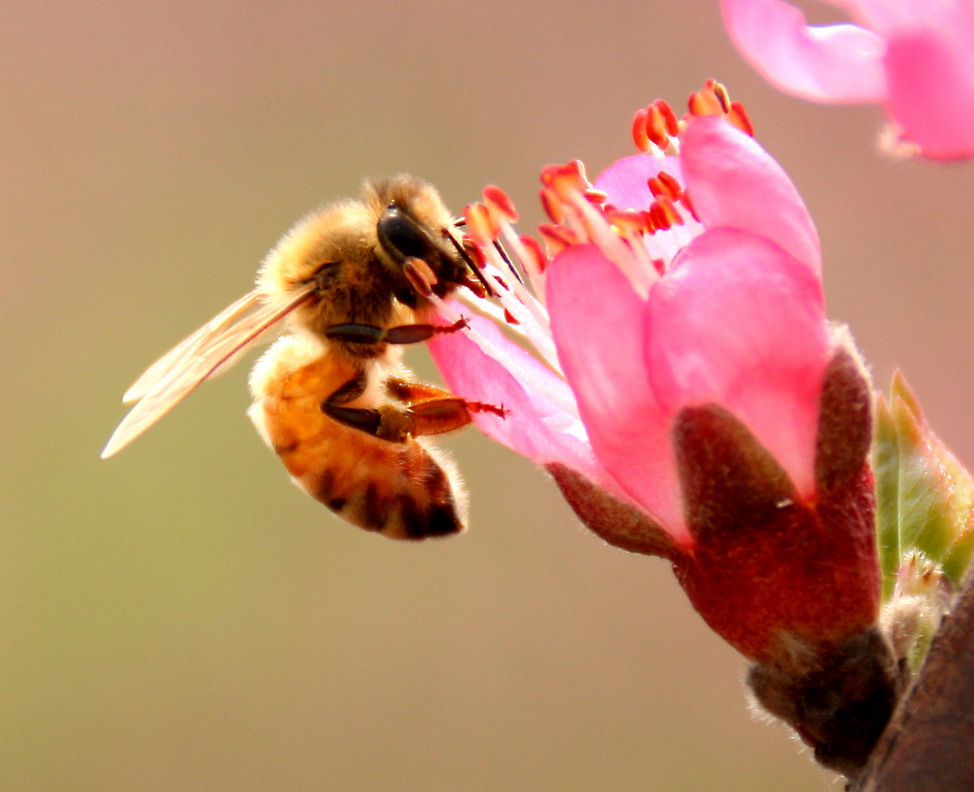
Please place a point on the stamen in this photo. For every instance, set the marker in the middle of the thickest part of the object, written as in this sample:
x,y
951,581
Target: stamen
x,y
659,128
705,103
627,221
612,246
563,179
473,258
713,99
517,300
721,93
664,184
664,213
500,201
480,225
738,117
688,205
669,117
475,253
552,206
535,254
557,237
639,133
595,197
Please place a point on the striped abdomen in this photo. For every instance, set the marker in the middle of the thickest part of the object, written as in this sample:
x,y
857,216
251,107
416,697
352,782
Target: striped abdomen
x,y
398,489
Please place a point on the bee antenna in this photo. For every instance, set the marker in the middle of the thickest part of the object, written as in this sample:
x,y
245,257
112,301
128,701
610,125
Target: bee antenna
x,y
510,265
468,259
460,222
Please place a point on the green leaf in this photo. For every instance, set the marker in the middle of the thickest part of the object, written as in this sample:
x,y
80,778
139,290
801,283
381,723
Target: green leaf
x,y
886,467
925,497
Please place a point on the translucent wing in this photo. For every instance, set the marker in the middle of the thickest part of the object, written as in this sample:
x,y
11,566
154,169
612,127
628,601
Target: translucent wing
x,y
190,346
181,370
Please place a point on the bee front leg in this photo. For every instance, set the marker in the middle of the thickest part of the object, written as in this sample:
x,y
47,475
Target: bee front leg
x,y
403,334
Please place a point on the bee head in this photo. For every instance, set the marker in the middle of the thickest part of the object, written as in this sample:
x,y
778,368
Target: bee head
x,y
414,245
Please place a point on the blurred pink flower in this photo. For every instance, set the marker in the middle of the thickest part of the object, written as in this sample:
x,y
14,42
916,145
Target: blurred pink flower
x,y
671,364
915,57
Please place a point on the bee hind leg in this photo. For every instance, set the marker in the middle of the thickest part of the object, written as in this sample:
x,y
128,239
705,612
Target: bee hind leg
x,y
430,410
433,410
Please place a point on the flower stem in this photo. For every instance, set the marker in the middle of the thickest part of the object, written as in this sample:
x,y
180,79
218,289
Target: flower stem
x,y
928,743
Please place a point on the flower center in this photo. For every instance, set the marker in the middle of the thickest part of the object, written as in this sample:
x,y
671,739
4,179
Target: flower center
x,y
640,228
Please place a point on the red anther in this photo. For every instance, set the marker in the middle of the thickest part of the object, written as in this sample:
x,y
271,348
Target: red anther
x,y
649,223
665,185
639,136
721,93
657,124
500,201
474,286
552,206
509,317
595,197
669,117
658,218
739,118
473,250
672,211
670,186
664,214
705,103
535,254
557,237
579,167
627,220
549,173
688,205
559,177
480,225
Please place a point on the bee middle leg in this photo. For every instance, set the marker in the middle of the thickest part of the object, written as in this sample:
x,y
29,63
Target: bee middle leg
x,y
355,333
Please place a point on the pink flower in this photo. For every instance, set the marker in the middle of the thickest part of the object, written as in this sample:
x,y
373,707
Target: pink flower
x,y
915,57
673,368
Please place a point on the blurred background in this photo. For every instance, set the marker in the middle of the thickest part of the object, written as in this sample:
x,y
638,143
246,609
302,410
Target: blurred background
x,y
180,617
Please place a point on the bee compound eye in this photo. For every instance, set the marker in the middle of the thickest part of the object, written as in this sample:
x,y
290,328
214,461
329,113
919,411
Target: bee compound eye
x,y
401,236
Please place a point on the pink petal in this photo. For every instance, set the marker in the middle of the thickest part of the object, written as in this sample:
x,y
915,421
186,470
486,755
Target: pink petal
x,y
885,18
837,63
931,90
625,181
597,324
740,323
734,183
537,426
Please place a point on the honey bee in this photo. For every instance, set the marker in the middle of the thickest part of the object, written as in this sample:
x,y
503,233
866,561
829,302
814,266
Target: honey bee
x,y
353,282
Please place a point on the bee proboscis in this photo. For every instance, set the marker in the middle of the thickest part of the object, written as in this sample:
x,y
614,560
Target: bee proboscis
x,y
353,281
